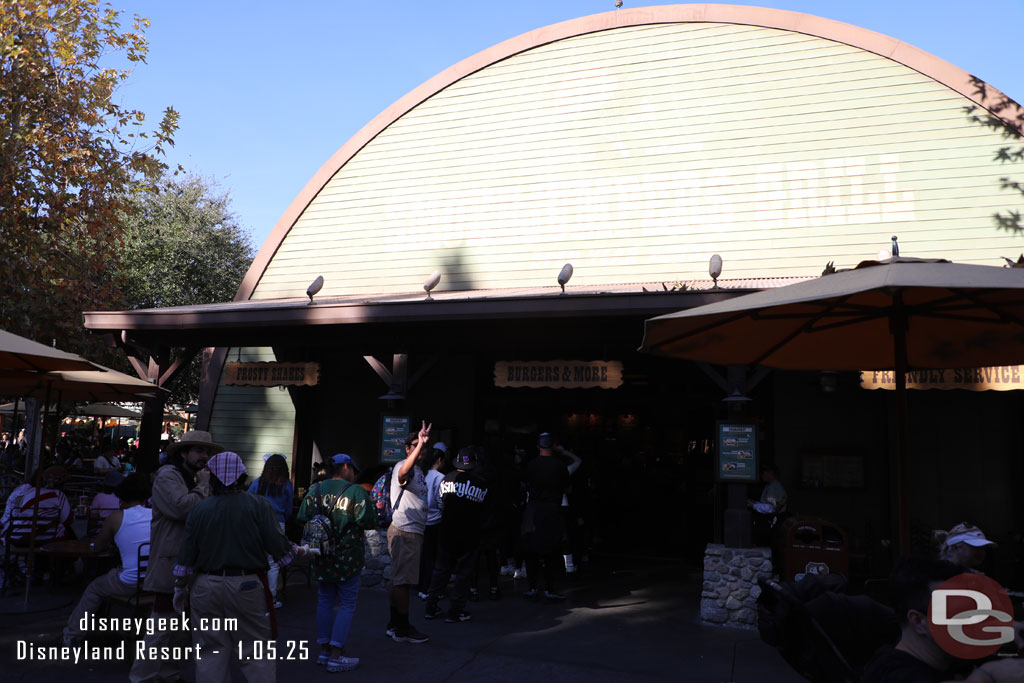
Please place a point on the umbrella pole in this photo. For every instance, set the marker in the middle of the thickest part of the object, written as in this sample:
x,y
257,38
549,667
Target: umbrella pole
x,y
902,427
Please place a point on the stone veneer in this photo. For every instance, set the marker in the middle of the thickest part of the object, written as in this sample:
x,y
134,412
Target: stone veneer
x,y
378,562
730,591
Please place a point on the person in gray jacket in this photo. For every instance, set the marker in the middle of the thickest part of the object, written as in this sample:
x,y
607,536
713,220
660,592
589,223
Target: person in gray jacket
x,y
179,485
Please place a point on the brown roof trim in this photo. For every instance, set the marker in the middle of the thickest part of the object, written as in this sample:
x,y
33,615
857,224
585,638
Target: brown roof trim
x,y
292,312
923,62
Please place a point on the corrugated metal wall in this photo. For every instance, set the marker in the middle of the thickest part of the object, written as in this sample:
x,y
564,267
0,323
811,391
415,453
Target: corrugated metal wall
x,y
636,153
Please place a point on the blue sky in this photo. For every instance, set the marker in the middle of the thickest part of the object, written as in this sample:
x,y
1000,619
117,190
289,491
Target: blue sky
x,y
268,91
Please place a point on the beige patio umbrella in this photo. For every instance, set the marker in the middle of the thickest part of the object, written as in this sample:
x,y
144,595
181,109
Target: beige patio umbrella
x,y
19,353
896,314
98,385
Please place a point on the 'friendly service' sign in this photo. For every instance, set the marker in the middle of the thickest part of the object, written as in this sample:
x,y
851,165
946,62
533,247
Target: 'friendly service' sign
x,y
1000,378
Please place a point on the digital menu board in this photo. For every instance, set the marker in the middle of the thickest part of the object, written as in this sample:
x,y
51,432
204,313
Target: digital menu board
x,y
393,431
737,452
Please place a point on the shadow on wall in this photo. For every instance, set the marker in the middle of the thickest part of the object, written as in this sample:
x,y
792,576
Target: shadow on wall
x,y
455,273
1007,117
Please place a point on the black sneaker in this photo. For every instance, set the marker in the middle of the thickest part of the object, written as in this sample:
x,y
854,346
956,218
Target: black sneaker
x,y
494,594
474,595
409,634
456,617
553,597
431,612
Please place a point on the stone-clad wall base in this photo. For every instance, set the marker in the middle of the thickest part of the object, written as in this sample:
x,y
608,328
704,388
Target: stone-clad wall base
x,y
378,562
730,591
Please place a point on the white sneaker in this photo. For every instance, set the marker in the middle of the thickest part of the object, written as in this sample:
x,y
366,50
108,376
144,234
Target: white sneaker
x,y
422,596
342,664
278,604
520,573
507,570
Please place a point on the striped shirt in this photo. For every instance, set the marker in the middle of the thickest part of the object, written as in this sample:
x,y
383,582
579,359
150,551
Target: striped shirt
x,y
53,505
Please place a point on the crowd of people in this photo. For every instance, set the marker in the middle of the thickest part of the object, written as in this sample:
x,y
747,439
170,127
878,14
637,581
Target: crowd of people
x,y
206,539
78,454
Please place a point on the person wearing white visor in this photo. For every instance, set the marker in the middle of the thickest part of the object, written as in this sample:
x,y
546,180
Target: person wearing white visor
x,y
965,546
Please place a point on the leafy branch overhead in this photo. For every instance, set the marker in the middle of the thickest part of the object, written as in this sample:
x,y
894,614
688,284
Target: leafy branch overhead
x,y
72,161
182,246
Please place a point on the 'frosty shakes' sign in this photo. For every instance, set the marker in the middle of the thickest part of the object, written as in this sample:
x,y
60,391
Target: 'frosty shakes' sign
x,y
559,374
1001,378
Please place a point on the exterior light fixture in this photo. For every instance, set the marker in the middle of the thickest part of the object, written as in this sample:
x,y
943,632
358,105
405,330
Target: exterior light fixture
x,y
715,268
736,397
314,288
829,380
431,282
565,275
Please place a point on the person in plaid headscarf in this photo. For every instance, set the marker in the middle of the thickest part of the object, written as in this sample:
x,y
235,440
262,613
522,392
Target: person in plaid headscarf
x,y
222,571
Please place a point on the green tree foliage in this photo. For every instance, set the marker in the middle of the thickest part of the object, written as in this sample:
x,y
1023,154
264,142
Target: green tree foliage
x,y
71,163
182,246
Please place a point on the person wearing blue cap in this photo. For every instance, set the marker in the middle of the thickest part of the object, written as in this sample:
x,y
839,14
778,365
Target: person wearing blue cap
x,y
351,512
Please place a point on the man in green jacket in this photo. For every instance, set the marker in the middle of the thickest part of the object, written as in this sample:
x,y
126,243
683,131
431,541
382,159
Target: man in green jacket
x,y
351,513
222,569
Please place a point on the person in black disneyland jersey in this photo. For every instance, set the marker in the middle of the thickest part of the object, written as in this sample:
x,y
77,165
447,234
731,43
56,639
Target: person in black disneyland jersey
x,y
465,510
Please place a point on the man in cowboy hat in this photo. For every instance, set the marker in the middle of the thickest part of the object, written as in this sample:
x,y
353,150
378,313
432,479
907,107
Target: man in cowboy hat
x,y
222,567
179,484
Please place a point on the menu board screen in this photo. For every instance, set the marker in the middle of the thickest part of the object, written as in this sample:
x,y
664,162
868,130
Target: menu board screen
x,y
392,437
737,452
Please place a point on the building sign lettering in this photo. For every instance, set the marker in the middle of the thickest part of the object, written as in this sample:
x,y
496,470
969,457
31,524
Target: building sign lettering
x,y
559,374
272,374
999,378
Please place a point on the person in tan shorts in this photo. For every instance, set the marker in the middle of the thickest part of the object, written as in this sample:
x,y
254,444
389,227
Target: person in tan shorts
x,y
405,535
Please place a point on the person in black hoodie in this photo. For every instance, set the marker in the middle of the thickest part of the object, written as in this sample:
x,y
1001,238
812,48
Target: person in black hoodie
x,y
465,511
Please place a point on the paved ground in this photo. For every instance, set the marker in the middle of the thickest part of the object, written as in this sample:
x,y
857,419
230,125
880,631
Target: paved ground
x,y
623,621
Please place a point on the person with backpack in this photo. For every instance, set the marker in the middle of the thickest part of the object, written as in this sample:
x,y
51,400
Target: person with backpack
x,y
336,512
408,496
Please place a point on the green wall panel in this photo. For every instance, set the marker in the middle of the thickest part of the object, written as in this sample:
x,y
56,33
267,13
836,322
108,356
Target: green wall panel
x,y
252,421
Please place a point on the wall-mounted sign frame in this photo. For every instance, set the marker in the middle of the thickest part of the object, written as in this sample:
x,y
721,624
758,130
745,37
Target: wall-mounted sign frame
x,y
393,430
737,460
558,374
272,374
